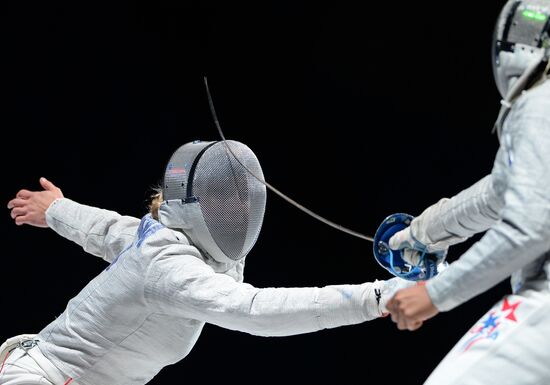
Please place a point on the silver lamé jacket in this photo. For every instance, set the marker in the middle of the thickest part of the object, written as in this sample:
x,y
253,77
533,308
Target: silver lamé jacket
x,y
146,310
512,204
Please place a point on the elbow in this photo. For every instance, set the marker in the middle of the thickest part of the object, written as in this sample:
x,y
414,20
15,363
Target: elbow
x,y
529,231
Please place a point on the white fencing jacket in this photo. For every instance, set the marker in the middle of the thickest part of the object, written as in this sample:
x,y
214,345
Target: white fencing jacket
x,y
148,307
512,204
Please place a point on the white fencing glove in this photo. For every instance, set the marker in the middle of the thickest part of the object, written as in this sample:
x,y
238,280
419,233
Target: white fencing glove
x,y
412,250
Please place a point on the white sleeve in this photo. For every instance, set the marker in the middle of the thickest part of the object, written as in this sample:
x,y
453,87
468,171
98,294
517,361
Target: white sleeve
x,y
185,286
523,232
451,221
100,232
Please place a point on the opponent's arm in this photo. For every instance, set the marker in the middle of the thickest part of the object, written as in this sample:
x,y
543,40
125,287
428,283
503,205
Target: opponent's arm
x,y
520,237
523,233
451,221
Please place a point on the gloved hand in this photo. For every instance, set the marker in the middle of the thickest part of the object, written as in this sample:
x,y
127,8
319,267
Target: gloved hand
x,y
411,249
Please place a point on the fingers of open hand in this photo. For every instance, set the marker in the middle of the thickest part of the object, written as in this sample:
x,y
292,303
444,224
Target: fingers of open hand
x,y
22,215
24,194
24,209
49,186
19,207
22,220
16,202
18,211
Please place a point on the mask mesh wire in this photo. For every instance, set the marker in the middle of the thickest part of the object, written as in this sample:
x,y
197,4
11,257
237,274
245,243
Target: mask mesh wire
x,y
232,201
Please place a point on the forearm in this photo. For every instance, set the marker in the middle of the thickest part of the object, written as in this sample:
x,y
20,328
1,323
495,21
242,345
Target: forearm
x,y
185,286
453,220
100,232
503,250
523,233
290,311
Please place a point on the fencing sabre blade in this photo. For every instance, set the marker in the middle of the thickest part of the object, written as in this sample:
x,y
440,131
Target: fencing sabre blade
x,y
391,260
269,186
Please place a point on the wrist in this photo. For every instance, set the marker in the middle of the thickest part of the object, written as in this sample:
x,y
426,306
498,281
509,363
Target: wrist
x,y
51,210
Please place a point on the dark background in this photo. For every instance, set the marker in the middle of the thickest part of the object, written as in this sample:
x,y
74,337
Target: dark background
x,y
355,109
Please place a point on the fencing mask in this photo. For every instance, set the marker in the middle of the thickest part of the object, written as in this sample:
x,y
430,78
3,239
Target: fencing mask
x,y
521,44
215,201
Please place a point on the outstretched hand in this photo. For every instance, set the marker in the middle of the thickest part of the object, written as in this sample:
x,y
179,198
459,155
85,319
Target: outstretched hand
x,y
29,207
410,307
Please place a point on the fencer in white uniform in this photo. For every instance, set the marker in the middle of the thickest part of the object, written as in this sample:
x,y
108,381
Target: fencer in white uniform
x,y
510,344
170,275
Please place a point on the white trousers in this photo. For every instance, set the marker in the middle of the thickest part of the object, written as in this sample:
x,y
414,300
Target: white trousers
x,y
510,345
30,367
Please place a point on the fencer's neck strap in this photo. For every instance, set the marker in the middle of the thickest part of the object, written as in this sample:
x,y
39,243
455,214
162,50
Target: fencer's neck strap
x,y
502,115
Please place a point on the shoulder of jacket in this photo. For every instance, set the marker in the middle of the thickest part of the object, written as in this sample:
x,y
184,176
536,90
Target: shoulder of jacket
x,y
535,101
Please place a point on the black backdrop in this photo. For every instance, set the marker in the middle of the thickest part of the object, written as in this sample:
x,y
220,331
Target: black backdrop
x,y
355,109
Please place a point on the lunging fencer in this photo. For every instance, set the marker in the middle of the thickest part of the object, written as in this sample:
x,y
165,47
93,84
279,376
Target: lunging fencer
x,y
177,268
510,344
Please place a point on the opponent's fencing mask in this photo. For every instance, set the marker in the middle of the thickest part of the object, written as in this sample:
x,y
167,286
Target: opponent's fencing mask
x,y
521,43
211,197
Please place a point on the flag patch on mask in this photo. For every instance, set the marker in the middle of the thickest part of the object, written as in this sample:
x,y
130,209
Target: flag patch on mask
x,y
490,326
175,170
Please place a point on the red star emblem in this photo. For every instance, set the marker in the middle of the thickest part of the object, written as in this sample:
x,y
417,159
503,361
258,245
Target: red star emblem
x,y
507,306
